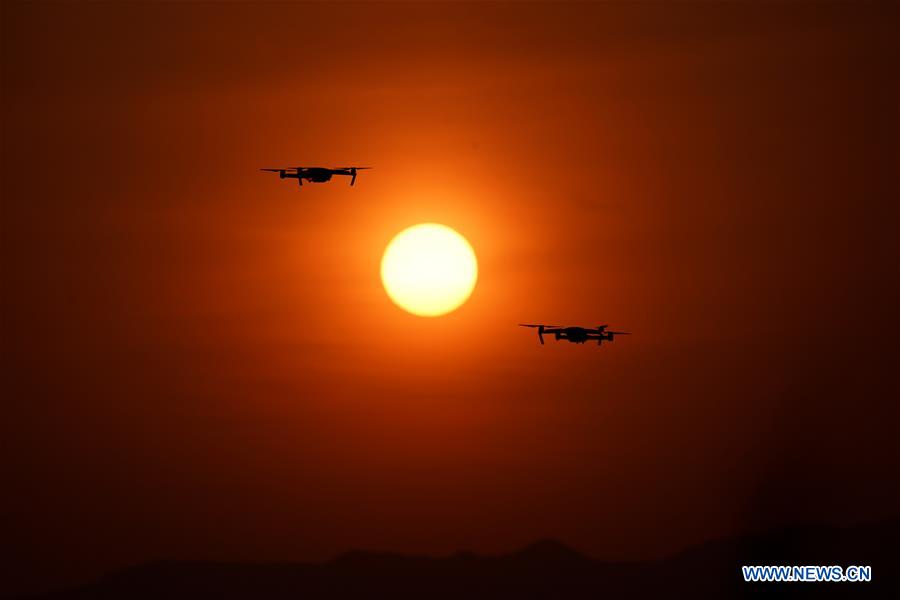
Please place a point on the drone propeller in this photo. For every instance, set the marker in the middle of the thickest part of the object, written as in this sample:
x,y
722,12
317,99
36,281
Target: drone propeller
x,y
611,335
353,171
542,329
281,172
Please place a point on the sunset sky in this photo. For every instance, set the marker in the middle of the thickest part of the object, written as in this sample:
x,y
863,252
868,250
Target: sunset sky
x,y
200,360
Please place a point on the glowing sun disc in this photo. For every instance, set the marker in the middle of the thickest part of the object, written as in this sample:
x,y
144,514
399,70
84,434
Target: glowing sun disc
x,y
429,269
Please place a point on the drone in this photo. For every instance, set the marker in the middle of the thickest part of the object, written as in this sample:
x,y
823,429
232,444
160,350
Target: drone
x,y
576,335
316,174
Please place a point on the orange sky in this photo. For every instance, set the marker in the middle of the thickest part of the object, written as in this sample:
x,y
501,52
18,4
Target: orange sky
x,y
200,359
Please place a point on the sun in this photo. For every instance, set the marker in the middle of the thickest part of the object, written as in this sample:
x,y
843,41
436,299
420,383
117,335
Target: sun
x,y
429,269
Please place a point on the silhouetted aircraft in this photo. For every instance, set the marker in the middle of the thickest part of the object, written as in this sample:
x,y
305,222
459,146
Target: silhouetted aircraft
x,y
576,335
316,174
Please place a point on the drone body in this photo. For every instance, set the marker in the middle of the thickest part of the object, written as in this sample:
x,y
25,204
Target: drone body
x,y
576,335
316,174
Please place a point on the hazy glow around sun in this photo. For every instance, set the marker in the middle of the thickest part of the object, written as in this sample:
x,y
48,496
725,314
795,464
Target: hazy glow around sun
x,y
429,269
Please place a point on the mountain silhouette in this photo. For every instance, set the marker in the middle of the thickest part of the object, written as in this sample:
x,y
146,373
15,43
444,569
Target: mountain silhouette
x,y
545,569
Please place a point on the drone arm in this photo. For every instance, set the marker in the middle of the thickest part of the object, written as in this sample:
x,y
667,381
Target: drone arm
x,y
542,329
